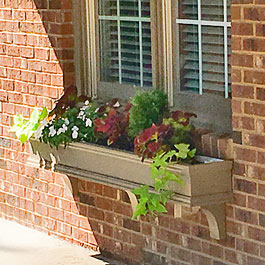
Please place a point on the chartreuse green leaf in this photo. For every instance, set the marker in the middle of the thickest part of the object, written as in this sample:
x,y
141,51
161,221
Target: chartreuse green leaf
x,y
24,129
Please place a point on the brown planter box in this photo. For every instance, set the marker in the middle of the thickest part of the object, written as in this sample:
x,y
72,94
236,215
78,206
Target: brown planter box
x,y
207,185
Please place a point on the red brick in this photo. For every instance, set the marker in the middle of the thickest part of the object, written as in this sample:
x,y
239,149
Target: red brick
x,y
235,256
261,158
256,14
242,28
248,247
254,140
240,199
235,12
260,93
245,154
80,234
245,186
243,123
252,44
254,109
246,216
260,30
71,219
55,190
256,234
41,209
56,214
241,91
236,106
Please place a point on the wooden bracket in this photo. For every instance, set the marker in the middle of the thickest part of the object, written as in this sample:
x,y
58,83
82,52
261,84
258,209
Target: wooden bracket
x,y
215,215
34,159
133,201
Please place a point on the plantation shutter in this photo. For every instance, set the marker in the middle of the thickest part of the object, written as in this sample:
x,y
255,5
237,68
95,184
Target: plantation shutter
x,y
125,42
204,45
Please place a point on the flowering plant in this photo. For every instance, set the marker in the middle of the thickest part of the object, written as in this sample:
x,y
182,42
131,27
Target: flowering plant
x,y
157,134
74,125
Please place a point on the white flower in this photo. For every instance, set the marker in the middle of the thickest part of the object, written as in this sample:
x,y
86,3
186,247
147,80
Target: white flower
x,y
66,122
60,131
117,104
44,123
52,131
88,123
75,128
81,115
75,134
87,102
64,128
84,108
96,110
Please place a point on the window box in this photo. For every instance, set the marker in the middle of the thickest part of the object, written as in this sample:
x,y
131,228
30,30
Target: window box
x,y
207,185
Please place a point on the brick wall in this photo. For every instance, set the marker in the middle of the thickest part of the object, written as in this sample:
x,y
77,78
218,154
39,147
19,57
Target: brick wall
x,y
36,62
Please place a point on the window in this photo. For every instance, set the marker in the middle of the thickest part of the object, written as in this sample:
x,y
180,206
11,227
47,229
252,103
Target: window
x,y
204,45
125,42
181,46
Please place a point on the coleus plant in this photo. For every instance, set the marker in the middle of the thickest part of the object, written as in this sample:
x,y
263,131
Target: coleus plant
x,y
114,123
163,137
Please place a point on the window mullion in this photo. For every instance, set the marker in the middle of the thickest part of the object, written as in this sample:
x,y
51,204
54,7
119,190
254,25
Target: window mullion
x,y
226,50
167,49
119,40
200,46
93,52
141,43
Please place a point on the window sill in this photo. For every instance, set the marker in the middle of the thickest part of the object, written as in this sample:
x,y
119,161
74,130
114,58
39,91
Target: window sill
x,y
207,185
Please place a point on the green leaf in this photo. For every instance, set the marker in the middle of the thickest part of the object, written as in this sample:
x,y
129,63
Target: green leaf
x,y
142,191
154,172
161,208
169,176
44,113
140,210
192,153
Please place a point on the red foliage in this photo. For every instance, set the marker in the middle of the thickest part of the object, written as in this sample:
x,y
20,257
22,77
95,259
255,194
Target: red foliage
x,y
152,140
115,124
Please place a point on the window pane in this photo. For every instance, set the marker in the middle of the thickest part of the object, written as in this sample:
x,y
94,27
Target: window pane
x,y
189,57
212,10
129,8
229,57
213,58
147,54
125,43
130,53
188,9
109,51
229,10
145,4
108,8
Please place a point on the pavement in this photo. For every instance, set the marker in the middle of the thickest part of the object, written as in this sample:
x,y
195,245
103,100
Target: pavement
x,y
21,245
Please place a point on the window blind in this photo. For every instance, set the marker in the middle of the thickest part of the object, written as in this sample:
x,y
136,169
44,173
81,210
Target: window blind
x,y
125,42
205,45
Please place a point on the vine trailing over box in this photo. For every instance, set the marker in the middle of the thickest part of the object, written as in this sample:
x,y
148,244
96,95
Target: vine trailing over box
x,y
143,125
162,176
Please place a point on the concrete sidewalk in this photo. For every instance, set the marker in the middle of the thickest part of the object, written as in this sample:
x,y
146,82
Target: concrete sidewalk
x,y
20,245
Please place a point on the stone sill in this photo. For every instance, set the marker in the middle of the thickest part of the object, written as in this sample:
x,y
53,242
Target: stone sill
x,y
207,185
